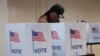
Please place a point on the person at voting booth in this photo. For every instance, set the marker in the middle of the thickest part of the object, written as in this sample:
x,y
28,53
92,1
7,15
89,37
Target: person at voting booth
x,y
52,15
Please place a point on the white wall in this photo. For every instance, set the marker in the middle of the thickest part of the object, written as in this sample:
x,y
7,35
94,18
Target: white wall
x,y
31,10
3,21
22,11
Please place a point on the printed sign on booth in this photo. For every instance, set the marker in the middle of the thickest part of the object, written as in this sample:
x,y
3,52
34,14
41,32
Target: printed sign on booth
x,y
41,40
39,37
93,33
77,38
60,40
75,35
18,39
15,40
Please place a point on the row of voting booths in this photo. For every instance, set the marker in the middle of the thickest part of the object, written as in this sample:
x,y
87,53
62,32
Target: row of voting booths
x,y
50,39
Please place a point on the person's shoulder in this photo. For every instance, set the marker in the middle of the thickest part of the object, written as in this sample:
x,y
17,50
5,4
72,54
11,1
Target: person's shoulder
x,y
43,19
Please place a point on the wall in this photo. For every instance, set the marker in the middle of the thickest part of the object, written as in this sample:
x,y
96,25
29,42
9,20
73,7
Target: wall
x,y
28,11
3,21
22,11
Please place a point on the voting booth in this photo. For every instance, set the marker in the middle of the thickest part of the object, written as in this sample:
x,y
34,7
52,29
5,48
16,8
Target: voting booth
x,y
17,40
46,39
60,39
28,40
93,36
77,38
41,40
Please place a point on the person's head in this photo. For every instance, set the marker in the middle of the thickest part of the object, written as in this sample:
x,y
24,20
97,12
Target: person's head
x,y
58,9
53,17
55,12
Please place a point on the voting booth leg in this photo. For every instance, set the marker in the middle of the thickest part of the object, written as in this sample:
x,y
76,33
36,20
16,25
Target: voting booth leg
x,y
91,48
91,52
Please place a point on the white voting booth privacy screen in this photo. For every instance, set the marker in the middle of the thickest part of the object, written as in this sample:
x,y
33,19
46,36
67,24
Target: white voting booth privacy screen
x,y
41,40
77,38
93,33
44,39
17,40
60,40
